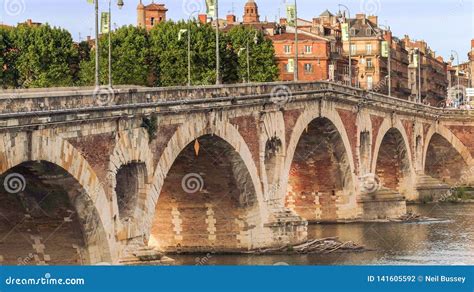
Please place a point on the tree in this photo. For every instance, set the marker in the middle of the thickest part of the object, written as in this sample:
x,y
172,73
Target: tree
x,y
130,58
45,56
263,67
8,72
170,55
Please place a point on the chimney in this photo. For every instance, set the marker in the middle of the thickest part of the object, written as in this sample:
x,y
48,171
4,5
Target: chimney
x,y
360,16
388,37
374,19
472,44
202,18
230,19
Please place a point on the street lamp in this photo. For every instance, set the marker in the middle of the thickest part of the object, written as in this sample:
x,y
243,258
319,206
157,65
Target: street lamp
x,y
189,45
389,61
247,49
341,18
457,70
120,4
296,70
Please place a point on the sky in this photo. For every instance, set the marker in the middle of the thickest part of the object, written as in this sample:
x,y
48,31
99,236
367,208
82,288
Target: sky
x,y
445,24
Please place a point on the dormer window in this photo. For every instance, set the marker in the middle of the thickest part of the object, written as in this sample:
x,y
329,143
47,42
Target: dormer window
x,y
369,31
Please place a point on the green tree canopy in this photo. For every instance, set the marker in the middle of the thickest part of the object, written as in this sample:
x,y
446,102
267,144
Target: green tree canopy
x,y
130,58
8,72
45,56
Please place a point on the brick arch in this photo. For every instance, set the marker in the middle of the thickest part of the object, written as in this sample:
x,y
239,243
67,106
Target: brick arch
x,y
346,205
91,197
386,126
132,148
186,134
452,139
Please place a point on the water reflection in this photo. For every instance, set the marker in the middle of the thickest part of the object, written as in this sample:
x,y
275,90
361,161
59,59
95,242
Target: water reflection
x,y
447,242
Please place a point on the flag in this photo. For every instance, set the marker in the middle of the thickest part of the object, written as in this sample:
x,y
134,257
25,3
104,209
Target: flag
x,y
415,60
291,66
90,1
211,8
385,49
105,22
291,14
181,32
345,32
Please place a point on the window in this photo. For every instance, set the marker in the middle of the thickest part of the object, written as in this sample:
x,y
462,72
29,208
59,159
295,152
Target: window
x,y
152,21
368,48
308,68
353,31
369,63
308,49
370,82
287,49
368,32
353,49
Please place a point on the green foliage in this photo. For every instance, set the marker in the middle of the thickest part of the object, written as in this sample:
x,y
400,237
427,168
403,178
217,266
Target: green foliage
x,y
130,58
45,56
263,67
8,72
151,126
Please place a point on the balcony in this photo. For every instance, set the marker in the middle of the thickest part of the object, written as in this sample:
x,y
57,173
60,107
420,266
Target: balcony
x,y
369,69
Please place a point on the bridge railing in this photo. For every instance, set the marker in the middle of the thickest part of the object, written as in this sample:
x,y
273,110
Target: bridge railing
x,y
40,100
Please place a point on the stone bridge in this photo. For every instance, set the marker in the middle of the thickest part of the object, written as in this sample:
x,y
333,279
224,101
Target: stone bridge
x,y
87,176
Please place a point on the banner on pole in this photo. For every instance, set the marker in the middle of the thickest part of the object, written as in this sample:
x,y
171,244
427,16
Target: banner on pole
x,y
291,66
385,49
105,22
291,14
211,8
345,32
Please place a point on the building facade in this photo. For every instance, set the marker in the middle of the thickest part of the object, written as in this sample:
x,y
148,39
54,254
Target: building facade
x,y
428,70
150,15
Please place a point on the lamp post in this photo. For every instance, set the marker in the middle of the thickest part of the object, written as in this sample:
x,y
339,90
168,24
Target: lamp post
x,y
120,5
341,17
218,61
457,71
189,46
247,49
97,82
296,71
389,61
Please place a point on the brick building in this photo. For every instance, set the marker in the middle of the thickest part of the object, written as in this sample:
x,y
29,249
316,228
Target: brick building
x,y
150,15
434,80
366,48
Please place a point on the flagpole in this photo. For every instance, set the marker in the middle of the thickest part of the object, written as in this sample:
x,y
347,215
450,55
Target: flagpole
x,y
97,83
218,70
110,44
296,43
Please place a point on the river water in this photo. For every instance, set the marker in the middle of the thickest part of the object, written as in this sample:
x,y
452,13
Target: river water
x,y
449,241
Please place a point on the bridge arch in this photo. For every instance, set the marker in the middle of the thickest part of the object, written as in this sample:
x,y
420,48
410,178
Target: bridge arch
x,y
323,195
204,162
449,159
130,175
58,191
392,159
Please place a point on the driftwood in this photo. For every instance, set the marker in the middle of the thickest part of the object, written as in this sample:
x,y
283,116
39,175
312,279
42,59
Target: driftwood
x,y
315,246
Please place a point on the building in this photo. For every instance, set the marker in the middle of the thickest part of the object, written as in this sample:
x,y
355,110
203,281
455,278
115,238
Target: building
x,y
251,12
428,68
150,15
366,39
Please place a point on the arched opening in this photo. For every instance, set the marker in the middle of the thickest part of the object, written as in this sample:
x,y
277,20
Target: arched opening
x,y
207,201
273,161
130,188
393,164
320,176
46,218
444,162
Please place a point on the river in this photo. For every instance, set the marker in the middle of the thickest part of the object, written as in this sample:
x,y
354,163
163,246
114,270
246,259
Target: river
x,y
449,241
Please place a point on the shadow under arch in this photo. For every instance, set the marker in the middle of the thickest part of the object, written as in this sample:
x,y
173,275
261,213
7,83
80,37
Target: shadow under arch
x,y
182,219
49,218
320,185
